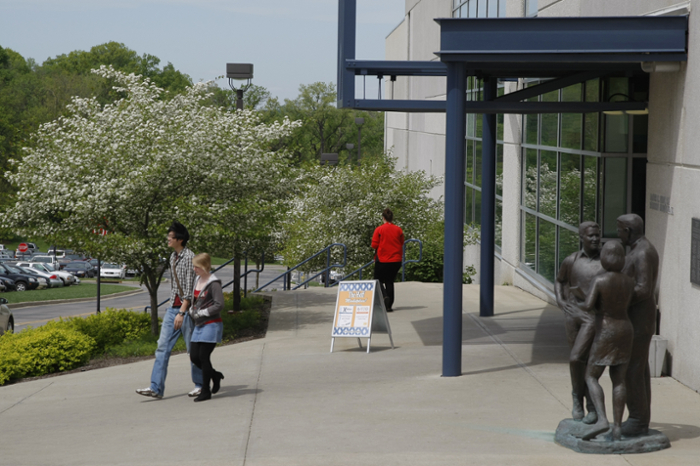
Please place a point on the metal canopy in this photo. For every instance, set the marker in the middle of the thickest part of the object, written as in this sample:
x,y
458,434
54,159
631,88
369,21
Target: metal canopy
x,y
570,50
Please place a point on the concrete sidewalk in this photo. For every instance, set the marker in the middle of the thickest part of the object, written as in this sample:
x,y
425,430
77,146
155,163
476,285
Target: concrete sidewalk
x,y
287,400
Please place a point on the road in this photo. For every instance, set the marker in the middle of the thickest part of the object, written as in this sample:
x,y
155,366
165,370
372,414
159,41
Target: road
x,y
40,314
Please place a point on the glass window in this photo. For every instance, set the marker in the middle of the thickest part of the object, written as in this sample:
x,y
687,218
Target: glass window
x,y
531,128
478,153
477,208
498,231
616,130
530,240
470,125
546,249
550,122
548,183
640,125
470,162
590,184
468,207
472,8
568,244
570,189
530,183
499,170
502,8
481,9
493,9
615,203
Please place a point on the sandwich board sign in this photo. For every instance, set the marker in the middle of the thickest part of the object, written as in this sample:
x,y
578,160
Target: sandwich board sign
x,y
359,312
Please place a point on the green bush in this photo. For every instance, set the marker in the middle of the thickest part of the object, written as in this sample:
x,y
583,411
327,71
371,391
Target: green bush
x,y
44,350
111,327
430,268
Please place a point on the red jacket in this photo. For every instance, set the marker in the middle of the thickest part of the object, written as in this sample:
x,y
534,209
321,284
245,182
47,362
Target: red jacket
x,y
388,241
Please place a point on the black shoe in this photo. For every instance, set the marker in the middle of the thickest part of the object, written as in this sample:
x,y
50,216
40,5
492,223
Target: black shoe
x,y
389,310
218,377
204,396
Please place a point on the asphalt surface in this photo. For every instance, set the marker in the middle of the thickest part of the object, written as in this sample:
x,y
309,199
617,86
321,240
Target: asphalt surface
x,y
286,400
42,312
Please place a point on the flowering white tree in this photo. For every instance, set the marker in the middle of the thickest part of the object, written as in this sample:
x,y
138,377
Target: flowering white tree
x,y
132,167
344,204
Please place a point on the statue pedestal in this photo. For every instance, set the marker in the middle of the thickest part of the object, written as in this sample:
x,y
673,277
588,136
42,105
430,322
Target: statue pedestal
x,y
569,433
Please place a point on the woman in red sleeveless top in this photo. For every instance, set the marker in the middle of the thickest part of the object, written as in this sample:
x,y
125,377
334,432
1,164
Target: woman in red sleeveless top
x,y
387,241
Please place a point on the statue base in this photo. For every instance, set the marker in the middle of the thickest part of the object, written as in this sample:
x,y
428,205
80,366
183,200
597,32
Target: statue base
x,y
569,433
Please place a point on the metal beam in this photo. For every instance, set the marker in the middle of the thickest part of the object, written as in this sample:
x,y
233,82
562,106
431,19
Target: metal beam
x,y
498,106
549,86
397,68
347,18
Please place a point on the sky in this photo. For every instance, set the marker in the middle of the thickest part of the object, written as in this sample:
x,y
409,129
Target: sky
x,y
290,42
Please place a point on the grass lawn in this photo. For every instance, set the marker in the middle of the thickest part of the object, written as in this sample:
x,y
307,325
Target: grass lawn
x,y
84,290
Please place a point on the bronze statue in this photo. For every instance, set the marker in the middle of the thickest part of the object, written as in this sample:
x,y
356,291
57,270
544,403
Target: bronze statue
x,y
642,264
610,296
573,284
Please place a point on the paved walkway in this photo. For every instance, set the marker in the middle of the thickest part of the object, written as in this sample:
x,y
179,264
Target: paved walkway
x,y
287,401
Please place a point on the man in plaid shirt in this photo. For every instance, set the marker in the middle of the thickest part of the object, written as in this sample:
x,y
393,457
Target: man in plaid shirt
x,y
176,320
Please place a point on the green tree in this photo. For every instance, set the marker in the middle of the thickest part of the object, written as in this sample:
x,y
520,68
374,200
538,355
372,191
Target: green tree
x,y
134,166
343,204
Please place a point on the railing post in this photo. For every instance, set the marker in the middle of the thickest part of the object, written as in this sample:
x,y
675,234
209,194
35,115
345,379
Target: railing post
x,y
245,276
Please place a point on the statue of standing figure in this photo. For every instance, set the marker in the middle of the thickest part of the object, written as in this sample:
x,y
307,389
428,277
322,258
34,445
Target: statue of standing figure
x,y
572,285
642,264
610,308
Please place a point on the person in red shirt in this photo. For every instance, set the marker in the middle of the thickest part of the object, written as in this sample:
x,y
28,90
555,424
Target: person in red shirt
x,y
387,241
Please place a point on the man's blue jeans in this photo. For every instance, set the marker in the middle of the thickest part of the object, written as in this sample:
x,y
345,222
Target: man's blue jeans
x,y
166,343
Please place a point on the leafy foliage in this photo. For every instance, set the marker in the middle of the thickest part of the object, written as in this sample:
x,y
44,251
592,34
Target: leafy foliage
x,y
111,327
343,204
133,166
43,350
430,268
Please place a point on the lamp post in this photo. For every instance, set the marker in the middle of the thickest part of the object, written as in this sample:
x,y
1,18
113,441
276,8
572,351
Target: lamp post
x,y
349,146
359,121
240,72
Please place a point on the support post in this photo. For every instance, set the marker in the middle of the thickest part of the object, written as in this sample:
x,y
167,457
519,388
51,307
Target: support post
x,y
488,203
455,166
347,19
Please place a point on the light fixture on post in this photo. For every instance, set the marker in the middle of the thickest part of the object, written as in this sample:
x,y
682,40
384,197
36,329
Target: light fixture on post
x,y
359,121
240,72
350,146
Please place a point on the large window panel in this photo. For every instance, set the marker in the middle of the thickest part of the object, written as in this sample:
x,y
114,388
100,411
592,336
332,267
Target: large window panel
x,y
570,189
639,134
530,179
550,122
477,208
615,203
499,223
548,183
478,154
469,178
530,240
591,176
568,244
546,262
468,207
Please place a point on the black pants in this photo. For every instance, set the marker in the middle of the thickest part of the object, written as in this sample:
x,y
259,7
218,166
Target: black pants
x,y
200,355
386,272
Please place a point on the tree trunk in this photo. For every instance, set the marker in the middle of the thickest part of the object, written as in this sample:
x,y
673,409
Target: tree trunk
x,y
237,284
154,312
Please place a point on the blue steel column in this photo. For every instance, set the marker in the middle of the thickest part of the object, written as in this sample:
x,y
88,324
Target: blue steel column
x,y
488,203
347,19
454,219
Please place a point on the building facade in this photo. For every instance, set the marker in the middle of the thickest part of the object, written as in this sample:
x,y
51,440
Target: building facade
x,y
555,171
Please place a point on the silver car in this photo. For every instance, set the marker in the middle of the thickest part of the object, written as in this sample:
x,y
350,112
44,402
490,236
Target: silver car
x,y
67,277
7,321
53,280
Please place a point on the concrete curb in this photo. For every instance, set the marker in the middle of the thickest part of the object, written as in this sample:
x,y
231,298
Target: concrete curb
x,y
75,300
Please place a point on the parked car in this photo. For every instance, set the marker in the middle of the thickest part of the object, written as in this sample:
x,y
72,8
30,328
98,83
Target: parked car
x,y
23,281
45,258
335,275
7,320
108,270
67,277
53,281
8,284
80,269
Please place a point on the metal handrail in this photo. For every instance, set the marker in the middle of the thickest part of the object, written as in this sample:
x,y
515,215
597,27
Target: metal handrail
x,y
245,274
327,250
403,257
145,309
403,262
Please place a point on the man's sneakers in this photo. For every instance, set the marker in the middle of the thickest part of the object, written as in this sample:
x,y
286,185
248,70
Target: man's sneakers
x,y
195,392
148,392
